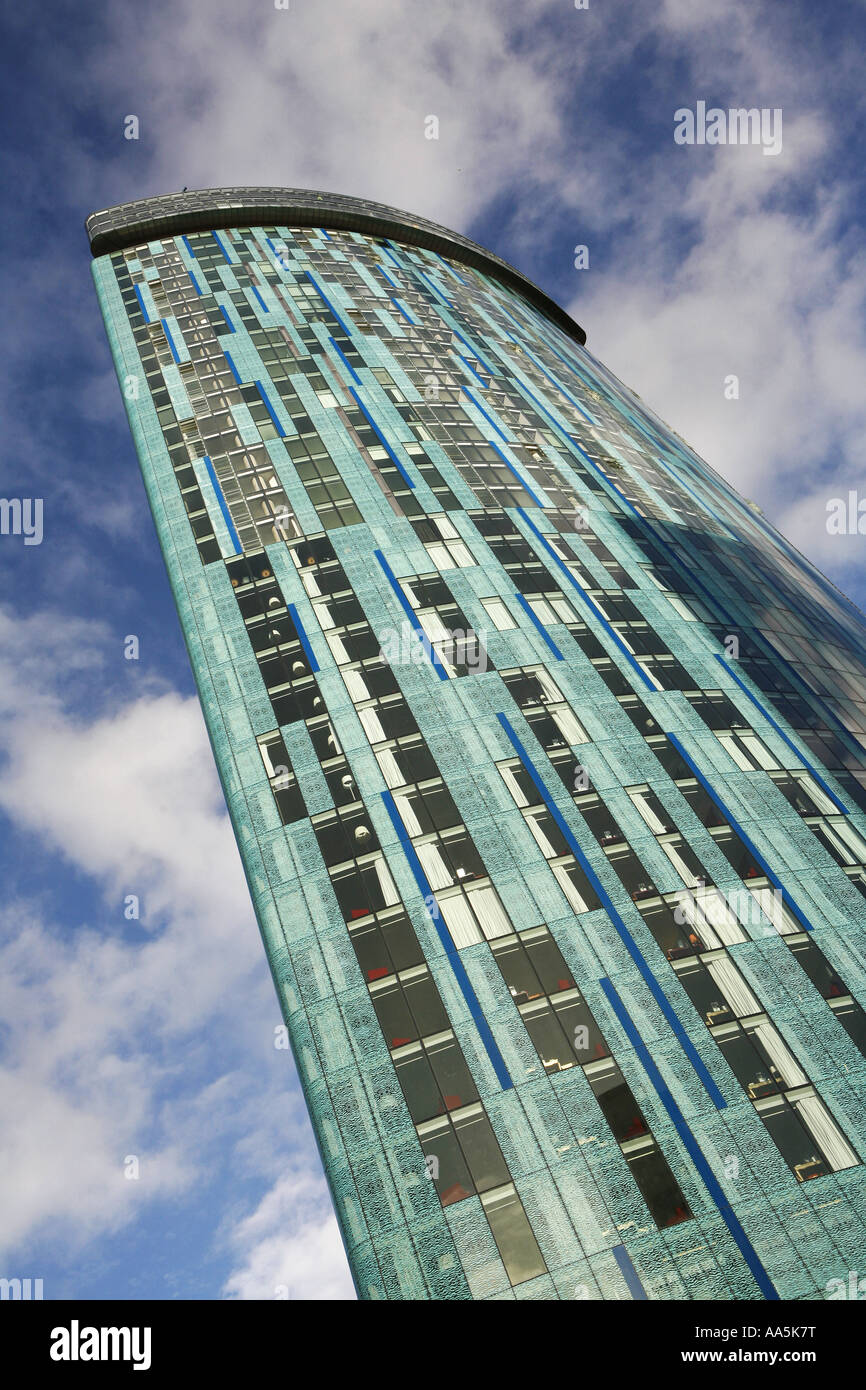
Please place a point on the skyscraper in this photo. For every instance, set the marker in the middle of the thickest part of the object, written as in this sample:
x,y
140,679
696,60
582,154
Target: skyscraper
x,y
543,749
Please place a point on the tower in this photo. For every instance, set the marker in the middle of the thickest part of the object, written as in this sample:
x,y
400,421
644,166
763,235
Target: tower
x,y
544,752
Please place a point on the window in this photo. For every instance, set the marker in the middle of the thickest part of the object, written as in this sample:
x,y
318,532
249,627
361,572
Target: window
x,y
433,1076
657,818
830,986
657,1184
448,631
283,782
512,1232
716,988
466,1157
738,855
551,717
806,1135
443,542
385,944
497,611
408,1006
473,913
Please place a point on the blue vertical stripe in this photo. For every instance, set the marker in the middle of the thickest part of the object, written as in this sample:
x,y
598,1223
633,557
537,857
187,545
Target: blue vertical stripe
x,y
440,294
223,505
552,379
490,420
449,268
629,1273
473,350
407,316
622,930
511,468
458,356
218,239
344,359
232,368
429,650
141,303
332,307
277,255
537,623
801,757
381,437
270,409
448,946
389,252
732,821
167,331
747,1250
590,603
302,636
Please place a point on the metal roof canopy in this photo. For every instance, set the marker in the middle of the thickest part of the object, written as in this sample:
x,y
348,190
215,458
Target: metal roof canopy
x,y
150,219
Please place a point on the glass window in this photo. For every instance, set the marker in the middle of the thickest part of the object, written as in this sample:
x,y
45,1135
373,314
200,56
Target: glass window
x,y
817,967
750,1069
658,1186
575,885
417,1082
580,1028
385,945
678,939
512,1232
620,1109
792,1139
738,855
657,818
364,888
479,1144
547,960
445,1161
498,613
393,1012
453,1076
522,981
545,1030
704,992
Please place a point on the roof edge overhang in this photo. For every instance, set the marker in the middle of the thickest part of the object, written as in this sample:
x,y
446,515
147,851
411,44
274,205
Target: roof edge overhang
x,y
149,219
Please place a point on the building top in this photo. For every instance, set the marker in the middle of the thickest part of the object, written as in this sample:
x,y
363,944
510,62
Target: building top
x,y
148,219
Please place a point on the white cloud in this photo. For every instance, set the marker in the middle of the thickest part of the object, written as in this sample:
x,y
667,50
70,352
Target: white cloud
x,y
341,95
111,1039
290,1246
770,296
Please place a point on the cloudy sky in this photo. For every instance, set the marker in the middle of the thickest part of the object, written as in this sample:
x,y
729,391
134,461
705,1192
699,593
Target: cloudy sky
x,y
155,1140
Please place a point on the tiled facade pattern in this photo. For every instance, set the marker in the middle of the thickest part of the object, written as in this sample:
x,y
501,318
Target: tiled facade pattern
x,y
545,755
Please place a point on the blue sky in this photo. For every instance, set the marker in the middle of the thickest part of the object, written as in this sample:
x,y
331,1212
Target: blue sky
x,y
154,1038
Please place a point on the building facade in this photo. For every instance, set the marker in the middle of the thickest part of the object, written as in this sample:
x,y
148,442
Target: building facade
x,y
544,752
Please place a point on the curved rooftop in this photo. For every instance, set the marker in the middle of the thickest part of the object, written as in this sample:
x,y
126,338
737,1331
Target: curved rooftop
x,y
148,219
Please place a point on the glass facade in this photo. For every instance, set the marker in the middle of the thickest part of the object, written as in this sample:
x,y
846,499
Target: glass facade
x,y
545,754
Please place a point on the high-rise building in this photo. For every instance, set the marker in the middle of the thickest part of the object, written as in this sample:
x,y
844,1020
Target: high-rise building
x,y
543,749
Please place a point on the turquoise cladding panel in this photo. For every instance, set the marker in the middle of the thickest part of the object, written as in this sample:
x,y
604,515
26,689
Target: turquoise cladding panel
x,y
545,758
